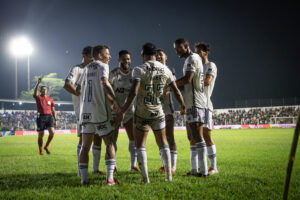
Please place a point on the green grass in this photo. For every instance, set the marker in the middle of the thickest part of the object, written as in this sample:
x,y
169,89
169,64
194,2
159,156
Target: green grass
x,y
252,165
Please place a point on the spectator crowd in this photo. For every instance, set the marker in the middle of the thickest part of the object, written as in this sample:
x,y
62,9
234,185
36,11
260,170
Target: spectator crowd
x,y
267,115
26,120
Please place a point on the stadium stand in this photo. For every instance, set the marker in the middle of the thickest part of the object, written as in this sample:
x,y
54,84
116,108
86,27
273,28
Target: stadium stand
x,y
14,120
241,116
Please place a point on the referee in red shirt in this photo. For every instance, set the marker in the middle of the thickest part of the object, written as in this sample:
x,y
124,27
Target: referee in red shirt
x,y
46,118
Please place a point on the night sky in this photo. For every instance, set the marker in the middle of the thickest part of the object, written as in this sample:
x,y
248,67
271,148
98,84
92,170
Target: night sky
x,y
255,45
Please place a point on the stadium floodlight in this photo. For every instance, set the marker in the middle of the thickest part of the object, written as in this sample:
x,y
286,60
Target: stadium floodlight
x,y
20,47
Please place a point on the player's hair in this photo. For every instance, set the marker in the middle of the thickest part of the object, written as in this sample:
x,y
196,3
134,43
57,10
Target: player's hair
x,y
98,49
87,50
149,49
180,41
202,46
123,52
160,50
43,86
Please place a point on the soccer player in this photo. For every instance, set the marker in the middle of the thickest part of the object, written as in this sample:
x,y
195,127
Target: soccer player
x,y
46,115
194,98
70,85
210,70
120,79
95,114
149,80
168,108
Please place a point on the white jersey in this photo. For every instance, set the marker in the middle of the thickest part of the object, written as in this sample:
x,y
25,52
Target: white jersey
x,y
121,83
73,76
194,92
210,69
94,107
153,77
168,106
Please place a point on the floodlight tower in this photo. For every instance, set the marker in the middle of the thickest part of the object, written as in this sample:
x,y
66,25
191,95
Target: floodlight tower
x,y
21,47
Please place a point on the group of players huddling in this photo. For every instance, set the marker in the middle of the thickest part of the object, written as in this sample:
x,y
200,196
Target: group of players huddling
x,y
104,99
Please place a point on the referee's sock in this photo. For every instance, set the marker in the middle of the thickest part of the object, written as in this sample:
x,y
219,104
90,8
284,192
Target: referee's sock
x,y
50,137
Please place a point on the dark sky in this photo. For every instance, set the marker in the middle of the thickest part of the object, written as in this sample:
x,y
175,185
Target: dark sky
x,y
255,45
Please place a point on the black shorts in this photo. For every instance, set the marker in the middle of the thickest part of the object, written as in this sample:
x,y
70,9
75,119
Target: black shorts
x,y
44,122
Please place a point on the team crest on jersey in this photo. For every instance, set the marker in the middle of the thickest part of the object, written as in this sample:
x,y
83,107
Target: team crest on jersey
x,y
86,117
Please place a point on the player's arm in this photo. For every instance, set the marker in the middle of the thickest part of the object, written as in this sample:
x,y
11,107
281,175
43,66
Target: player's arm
x,y
70,87
35,93
54,114
188,78
178,97
131,96
109,92
208,80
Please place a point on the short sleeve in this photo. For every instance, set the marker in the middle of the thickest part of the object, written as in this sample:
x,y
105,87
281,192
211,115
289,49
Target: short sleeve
x,y
170,77
79,81
71,76
190,65
104,71
137,73
212,70
52,103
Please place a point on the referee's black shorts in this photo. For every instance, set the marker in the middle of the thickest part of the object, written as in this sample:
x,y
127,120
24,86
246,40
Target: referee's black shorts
x,y
44,122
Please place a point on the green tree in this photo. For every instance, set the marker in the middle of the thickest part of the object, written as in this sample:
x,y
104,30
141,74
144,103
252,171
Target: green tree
x,y
51,81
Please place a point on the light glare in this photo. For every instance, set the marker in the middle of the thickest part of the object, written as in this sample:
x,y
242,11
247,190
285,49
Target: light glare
x,y
21,47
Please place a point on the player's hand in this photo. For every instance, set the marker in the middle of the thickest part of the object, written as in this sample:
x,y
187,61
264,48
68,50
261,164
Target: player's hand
x,y
55,123
182,110
78,91
118,119
116,108
40,79
167,90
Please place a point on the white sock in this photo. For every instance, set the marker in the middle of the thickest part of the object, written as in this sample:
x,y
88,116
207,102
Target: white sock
x,y
83,167
194,159
78,152
96,157
201,149
173,159
142,160
110,166
212,156
133,153
161,159
166,157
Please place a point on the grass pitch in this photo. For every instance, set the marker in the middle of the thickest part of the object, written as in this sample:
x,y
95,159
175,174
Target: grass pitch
x,y
251,163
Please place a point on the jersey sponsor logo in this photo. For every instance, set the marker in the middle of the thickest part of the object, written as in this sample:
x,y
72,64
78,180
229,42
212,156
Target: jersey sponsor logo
x,y
120,90
102,126
86,116
154,114
153,68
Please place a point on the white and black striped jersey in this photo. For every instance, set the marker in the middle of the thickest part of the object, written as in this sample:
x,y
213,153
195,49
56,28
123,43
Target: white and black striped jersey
x,y
153,77
121,83
194,95
94,107
73,76
168,105
210,69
